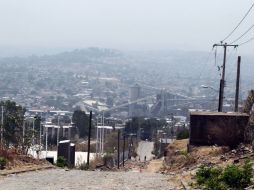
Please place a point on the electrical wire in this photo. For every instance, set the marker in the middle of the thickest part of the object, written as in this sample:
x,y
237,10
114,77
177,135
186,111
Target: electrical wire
x,y
249,40
215,57
246,14
206,60
231,59
242,35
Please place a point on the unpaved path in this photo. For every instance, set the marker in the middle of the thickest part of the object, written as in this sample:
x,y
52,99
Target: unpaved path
x,y
57,179
154,166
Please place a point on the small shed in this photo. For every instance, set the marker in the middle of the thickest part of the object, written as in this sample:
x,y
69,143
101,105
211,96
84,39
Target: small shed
x,y
210,128
66,149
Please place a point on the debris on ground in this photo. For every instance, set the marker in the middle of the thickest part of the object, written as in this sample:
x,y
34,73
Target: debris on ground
x,y
16,161
182,160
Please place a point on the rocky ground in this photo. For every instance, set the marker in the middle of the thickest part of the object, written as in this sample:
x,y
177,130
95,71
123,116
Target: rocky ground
x,y
181,165
175,171
90,180
136,175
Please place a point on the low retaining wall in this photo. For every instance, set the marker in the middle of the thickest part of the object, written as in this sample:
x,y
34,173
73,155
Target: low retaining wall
x,y
209,128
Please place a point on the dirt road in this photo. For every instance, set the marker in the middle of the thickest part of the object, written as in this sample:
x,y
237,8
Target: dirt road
x,y
57,179
154,166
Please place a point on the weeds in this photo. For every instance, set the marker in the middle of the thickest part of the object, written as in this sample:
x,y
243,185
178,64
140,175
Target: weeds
x,y
3,162
183,134
61,162
84,166
233,176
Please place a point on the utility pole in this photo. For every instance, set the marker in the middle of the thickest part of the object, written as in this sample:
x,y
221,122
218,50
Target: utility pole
x,y
2,125
89,136
123,147
138,135
40,134
58,128
222,81
237,83
102,139
221,92
101,135
97,134
118,149
33,135
23,132
46,129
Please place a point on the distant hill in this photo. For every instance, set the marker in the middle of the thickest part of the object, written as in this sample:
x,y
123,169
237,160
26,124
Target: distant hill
x,y
174,63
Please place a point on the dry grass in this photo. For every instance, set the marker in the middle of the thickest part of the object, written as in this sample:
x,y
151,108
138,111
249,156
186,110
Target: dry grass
x,y
97,162
15,159
84,147
182,165
179,144
204,151
179,158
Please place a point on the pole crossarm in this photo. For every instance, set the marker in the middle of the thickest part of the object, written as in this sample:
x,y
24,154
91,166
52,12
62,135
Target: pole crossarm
x,y
222,80
223,45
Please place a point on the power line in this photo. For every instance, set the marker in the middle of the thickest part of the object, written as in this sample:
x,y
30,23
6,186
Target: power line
x,y
246,14
246,41
242,34
206,60
232,61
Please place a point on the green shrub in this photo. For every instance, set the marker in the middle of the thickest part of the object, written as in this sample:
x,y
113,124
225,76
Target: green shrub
x,y
183,152
216,184
84,166
247,173
183,134
61,162
3,162
237,177
233,176
209,176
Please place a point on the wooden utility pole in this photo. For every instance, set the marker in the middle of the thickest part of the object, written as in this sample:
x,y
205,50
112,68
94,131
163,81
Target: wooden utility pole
x,y
222,81
118,149
89,136
123,147
2,125
221,92
237,83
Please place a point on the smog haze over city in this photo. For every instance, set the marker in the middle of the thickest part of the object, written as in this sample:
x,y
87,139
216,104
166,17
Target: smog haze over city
x,y
138,87
60,54
132,25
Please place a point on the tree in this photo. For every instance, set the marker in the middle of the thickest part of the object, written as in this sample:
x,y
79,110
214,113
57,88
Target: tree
x,y
81,121
182,133
148,127
133,125
13,118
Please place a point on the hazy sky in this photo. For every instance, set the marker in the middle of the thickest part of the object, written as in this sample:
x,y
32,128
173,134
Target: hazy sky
x,y
122,24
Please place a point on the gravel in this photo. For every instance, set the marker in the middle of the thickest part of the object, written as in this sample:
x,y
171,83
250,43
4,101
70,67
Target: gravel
x,y
59,179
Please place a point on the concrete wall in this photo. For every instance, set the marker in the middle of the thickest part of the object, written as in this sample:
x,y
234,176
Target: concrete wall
x,y
209,128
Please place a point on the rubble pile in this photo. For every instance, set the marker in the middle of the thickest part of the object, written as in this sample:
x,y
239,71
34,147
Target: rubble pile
x,y
128,165
243,151
179,157
182,161
132,165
